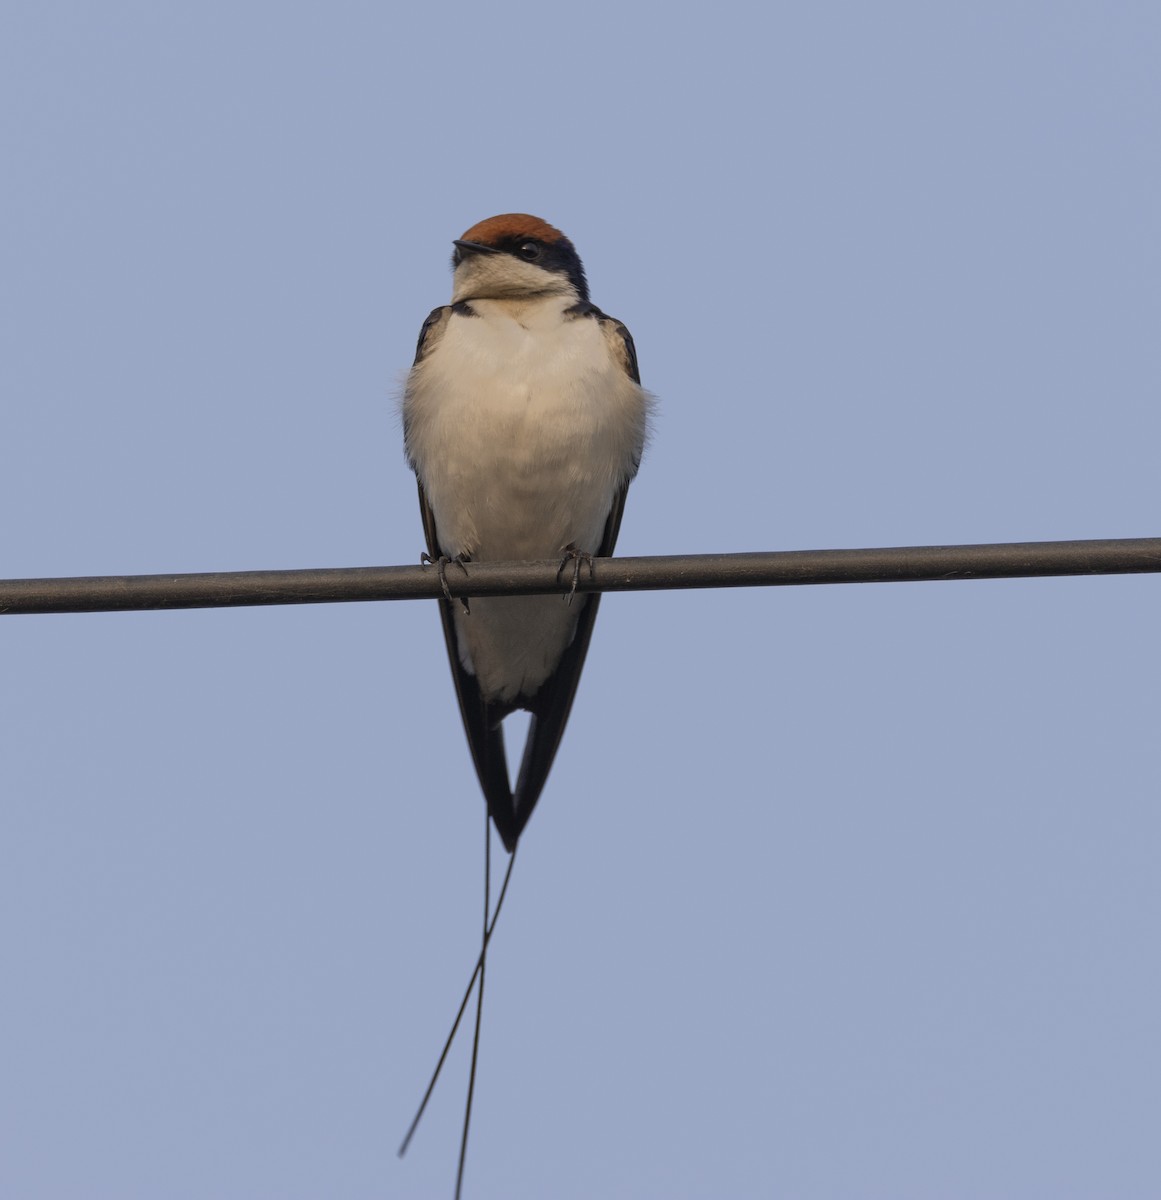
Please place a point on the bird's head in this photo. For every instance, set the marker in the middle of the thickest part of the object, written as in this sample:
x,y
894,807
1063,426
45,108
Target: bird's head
x,y
516,257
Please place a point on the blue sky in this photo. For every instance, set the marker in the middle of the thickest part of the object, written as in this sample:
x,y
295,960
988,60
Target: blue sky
x,y
833,892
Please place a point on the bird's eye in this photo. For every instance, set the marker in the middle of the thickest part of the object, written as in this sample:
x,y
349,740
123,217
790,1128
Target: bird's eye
x,y
528,251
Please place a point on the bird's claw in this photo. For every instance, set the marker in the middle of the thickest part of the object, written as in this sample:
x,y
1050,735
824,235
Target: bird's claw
x,y
576,557
441,564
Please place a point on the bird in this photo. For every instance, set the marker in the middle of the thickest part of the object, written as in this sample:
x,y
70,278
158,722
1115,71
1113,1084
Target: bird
x,y
524,420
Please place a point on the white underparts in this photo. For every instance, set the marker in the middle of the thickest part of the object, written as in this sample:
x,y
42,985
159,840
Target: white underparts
x,y
523,426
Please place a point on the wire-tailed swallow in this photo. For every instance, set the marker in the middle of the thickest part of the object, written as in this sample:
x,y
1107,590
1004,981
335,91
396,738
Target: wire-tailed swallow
x,y
524,420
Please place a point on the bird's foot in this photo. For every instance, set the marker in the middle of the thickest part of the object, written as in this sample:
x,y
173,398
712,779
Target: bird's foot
x,y
441,564
576,557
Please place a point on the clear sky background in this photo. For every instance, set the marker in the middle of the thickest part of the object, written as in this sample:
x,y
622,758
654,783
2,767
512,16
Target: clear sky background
x,y
833,892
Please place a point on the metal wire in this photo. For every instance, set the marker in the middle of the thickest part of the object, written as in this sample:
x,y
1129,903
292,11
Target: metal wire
x,y
900,564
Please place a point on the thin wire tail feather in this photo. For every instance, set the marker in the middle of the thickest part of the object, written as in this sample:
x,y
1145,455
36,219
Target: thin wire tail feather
x,y
479,1004
459,1014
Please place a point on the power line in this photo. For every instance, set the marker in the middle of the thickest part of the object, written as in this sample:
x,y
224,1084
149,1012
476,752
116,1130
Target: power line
x,y
900,564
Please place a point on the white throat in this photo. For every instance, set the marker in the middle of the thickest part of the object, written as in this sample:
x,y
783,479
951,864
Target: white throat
x,y
502,277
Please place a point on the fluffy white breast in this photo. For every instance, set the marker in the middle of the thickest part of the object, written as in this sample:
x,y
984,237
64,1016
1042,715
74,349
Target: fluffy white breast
x,y
522,427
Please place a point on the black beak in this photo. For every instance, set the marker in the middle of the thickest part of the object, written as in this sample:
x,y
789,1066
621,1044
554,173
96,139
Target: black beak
x,y
463,249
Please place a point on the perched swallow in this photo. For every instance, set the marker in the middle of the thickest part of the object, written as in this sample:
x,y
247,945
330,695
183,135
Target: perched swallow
x,y
524,421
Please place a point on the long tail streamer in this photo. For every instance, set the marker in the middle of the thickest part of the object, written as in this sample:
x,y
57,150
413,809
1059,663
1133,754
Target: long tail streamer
x,y
489,930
